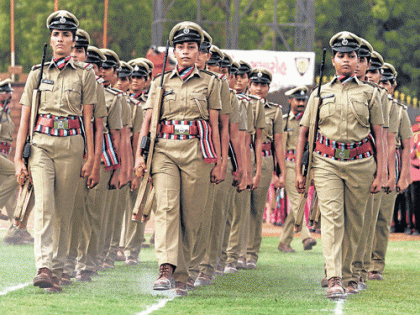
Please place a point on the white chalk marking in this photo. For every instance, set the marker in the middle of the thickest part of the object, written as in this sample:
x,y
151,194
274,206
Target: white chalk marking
x,y
14,288
339,307
155,307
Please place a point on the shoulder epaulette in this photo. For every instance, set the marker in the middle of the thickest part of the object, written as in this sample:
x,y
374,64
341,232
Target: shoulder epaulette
x,y
79,64
373,84
133,100
160,74
254,97
88,66
112,90
400,104
35,67
100,80
274,104
211,73
243,97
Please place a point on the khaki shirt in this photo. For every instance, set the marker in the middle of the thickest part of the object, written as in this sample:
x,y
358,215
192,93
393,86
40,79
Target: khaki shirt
x,y
393,116
63,93
137,112
258,109
245,108
126,112
99,111
234,117
6,126
225,97
292,132
273,122
190,100
113,105
385,107
404,128
345,116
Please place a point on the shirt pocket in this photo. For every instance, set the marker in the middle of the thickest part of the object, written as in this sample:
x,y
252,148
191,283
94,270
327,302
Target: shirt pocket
x,y
46,92
327,109
73,97
168,103
199,101
360,110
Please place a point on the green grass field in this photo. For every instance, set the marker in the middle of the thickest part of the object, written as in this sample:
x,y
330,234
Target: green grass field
x,y
282,284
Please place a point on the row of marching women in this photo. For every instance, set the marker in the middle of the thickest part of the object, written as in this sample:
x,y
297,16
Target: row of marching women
x,y
100,139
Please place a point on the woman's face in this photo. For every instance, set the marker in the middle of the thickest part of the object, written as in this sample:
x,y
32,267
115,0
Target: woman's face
x,y
345,63
61,43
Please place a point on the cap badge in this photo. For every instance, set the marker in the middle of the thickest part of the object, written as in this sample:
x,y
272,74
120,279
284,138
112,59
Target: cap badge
x,y
63,20
302,92
186,30
136,68
259,74
77,38
344,42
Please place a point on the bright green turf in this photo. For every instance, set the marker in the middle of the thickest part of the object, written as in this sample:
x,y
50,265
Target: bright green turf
x,y
282,284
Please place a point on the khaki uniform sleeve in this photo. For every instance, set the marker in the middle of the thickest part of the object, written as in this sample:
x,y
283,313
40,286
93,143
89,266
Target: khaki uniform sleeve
x,y
100,107
225,98
405,131
26,99
114,117
152,96
89,88
138,118
234,117
376,114
393,117
243,116
260,115
385,108
214,101
278,123
125,112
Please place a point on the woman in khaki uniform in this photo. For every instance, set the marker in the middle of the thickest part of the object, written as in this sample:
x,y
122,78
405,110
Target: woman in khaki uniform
x,y
182,166
297,102
68,93
272,137
7,170
343,162
386,210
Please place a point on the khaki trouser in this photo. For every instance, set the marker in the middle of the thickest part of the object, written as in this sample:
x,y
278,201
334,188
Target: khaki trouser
x,y
181,179
76,223
120,209
362,257
258,201
238,227
381,237
8,184
222,202
134,231
202,240
286,236
92,223
343,188
230,209
55,165
108,224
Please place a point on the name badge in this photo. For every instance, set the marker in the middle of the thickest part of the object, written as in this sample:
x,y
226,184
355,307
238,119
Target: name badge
x,y
182,129
47,81
342,154
61,124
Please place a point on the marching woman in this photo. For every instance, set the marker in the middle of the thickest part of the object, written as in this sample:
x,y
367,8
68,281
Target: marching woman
x,y
344,166
62,134
185,159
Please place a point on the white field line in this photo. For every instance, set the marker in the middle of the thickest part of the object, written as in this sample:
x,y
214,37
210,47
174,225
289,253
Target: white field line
x,y
155,307
14,288
339,307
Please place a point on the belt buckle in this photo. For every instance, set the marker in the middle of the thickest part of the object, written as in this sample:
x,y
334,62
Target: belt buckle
x,y
343,154
182,129
61,124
